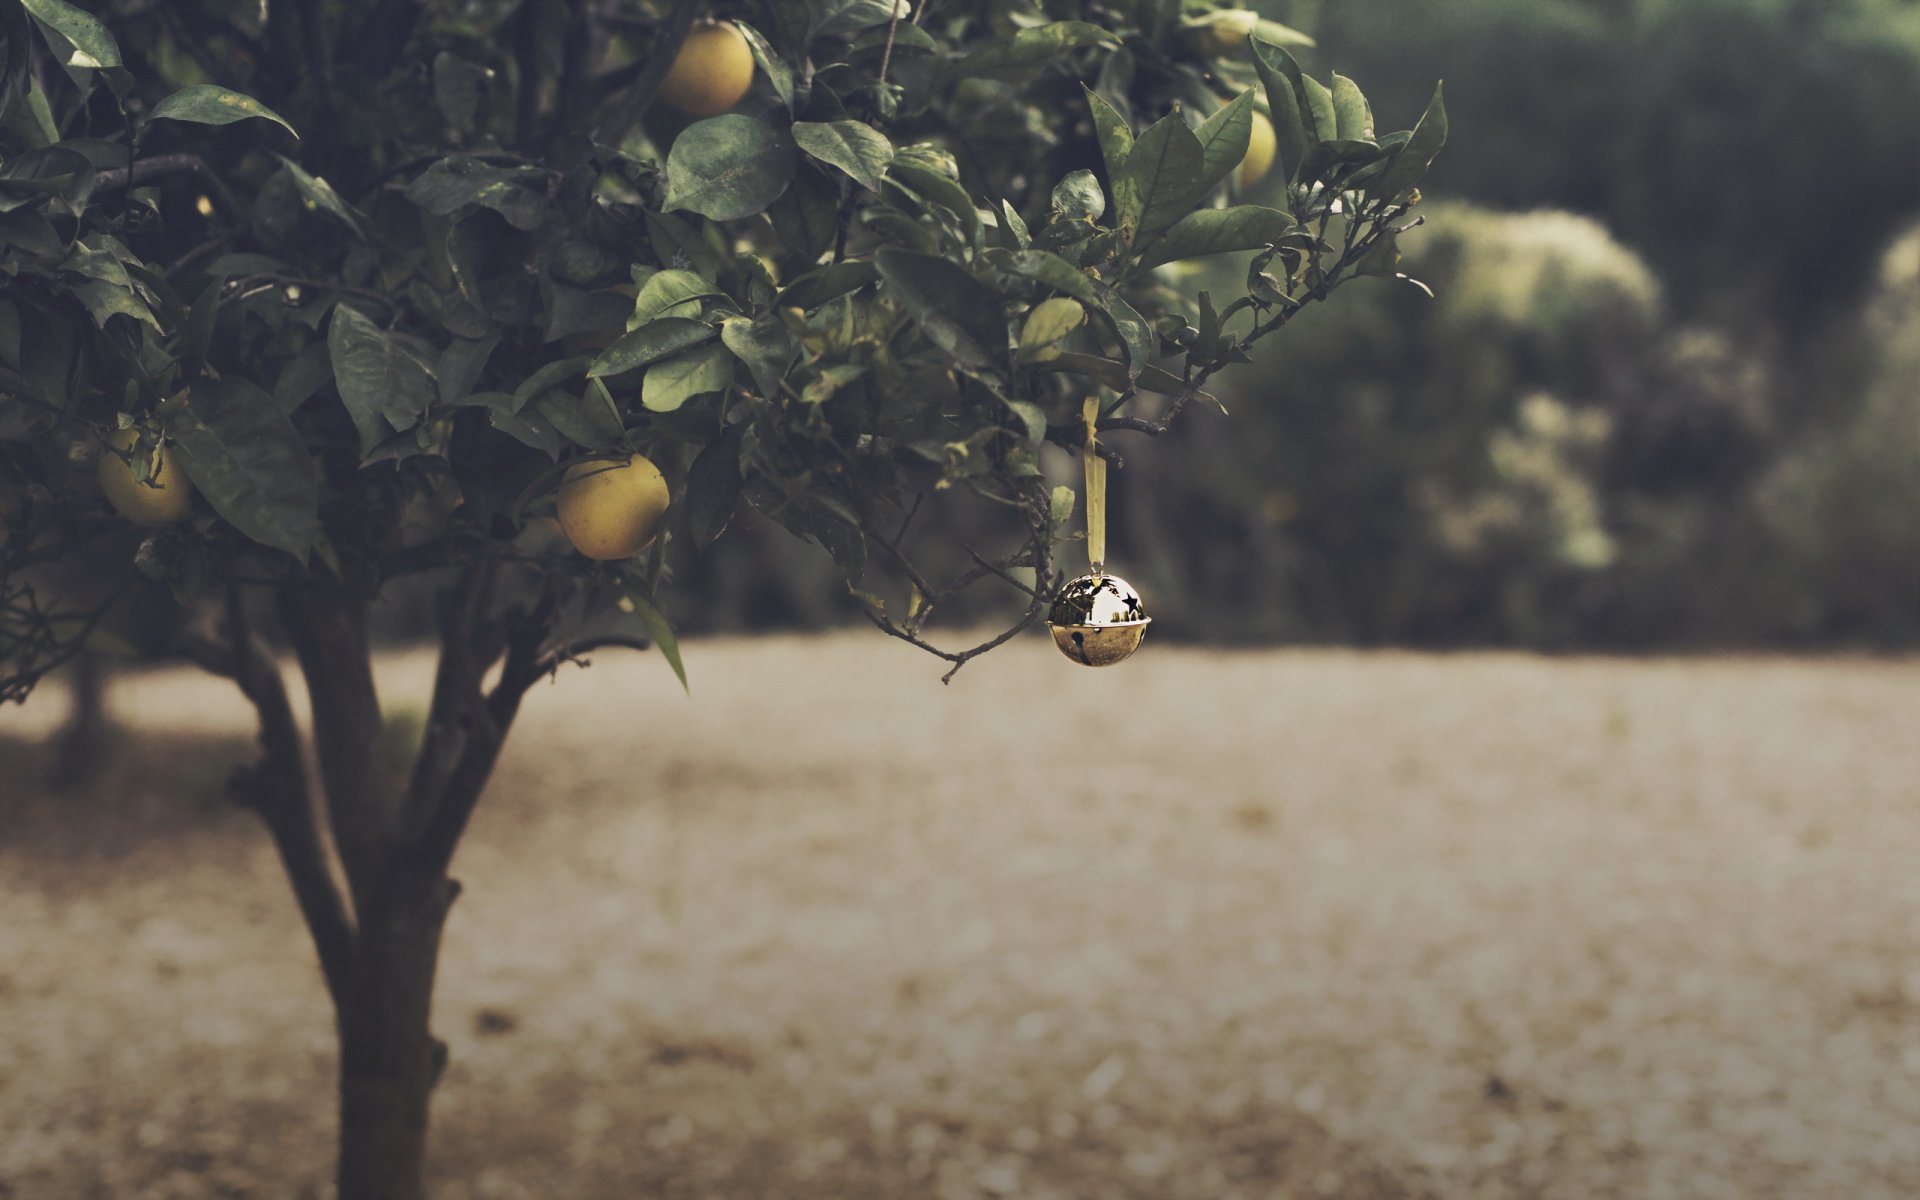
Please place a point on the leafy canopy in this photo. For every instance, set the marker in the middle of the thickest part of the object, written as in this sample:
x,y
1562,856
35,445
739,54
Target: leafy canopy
x,y
377,256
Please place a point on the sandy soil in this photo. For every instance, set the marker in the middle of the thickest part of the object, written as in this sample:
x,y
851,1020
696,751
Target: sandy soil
x,y
1210,925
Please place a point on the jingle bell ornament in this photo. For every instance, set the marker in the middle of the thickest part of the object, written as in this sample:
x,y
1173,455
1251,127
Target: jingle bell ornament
x,y
1097,619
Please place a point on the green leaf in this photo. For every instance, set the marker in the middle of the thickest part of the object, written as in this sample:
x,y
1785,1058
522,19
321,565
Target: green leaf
x,y
1281,35
53,171
302,377
92,45
1078,197
672,382
1049,322
957,312
1165,166
1062,504
207,104
1352,115
855,147
1105,371
649,343
458,89
1050,270
831,17
1383,259
775,68
1016,228
830,282
1224,137
1116,145
1154,379
589,421
1320,123
807,219
382,384
670,293
1033,421
9,334
528,427
250,463
104,300
1136,335
1279,76
461,364
449,185
728,167
1217,231
764,345
713,487
1029,51
320,194
546,378
1411,163
934,189
196,332
829,382
662,635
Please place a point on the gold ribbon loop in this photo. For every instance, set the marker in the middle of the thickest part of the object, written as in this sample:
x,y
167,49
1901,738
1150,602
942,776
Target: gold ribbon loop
x,y
1096,488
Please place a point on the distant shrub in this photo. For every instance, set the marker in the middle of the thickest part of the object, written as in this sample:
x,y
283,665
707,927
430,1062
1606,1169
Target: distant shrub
x,y
1845,510
1439,462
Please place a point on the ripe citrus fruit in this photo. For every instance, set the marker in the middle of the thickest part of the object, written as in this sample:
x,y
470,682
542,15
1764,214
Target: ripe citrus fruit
x,y
711,73
164,498
612,509
1259,156
1227,32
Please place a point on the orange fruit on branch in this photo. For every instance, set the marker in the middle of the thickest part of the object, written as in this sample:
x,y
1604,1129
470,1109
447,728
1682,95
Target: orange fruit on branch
x,y
612,509
163,498
711,73
1258,160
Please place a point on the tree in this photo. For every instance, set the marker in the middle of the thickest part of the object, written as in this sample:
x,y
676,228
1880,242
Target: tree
x,y
370,277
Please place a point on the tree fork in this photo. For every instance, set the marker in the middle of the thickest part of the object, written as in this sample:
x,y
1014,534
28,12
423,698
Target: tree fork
x,y
276,788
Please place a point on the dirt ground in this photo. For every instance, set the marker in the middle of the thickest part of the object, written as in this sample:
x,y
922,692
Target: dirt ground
x,y
1209,925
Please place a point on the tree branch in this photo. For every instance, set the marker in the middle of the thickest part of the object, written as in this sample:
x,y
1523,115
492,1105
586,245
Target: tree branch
x,y
1038,506
162,165
576,54
524,634
276,789
457,713
329,633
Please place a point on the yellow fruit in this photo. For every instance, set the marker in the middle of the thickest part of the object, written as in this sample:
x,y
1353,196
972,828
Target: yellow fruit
x,y
1226,33
711,73
164,498
611,509
1259,157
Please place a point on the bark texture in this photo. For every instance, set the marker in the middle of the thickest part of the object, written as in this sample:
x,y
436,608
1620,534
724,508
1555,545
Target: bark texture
x,y
369,865
389,1058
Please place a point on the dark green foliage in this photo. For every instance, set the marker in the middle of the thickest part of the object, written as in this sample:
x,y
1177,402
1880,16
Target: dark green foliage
x,y
359,262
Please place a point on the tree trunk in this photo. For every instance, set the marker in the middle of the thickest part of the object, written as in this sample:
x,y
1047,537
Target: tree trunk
x,y
389,1059
80,748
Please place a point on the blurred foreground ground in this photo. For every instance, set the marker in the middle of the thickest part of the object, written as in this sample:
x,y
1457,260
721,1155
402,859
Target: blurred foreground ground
x,y
1208,925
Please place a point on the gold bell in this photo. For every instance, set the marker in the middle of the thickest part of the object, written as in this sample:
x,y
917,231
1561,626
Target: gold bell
x,y
1097,619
